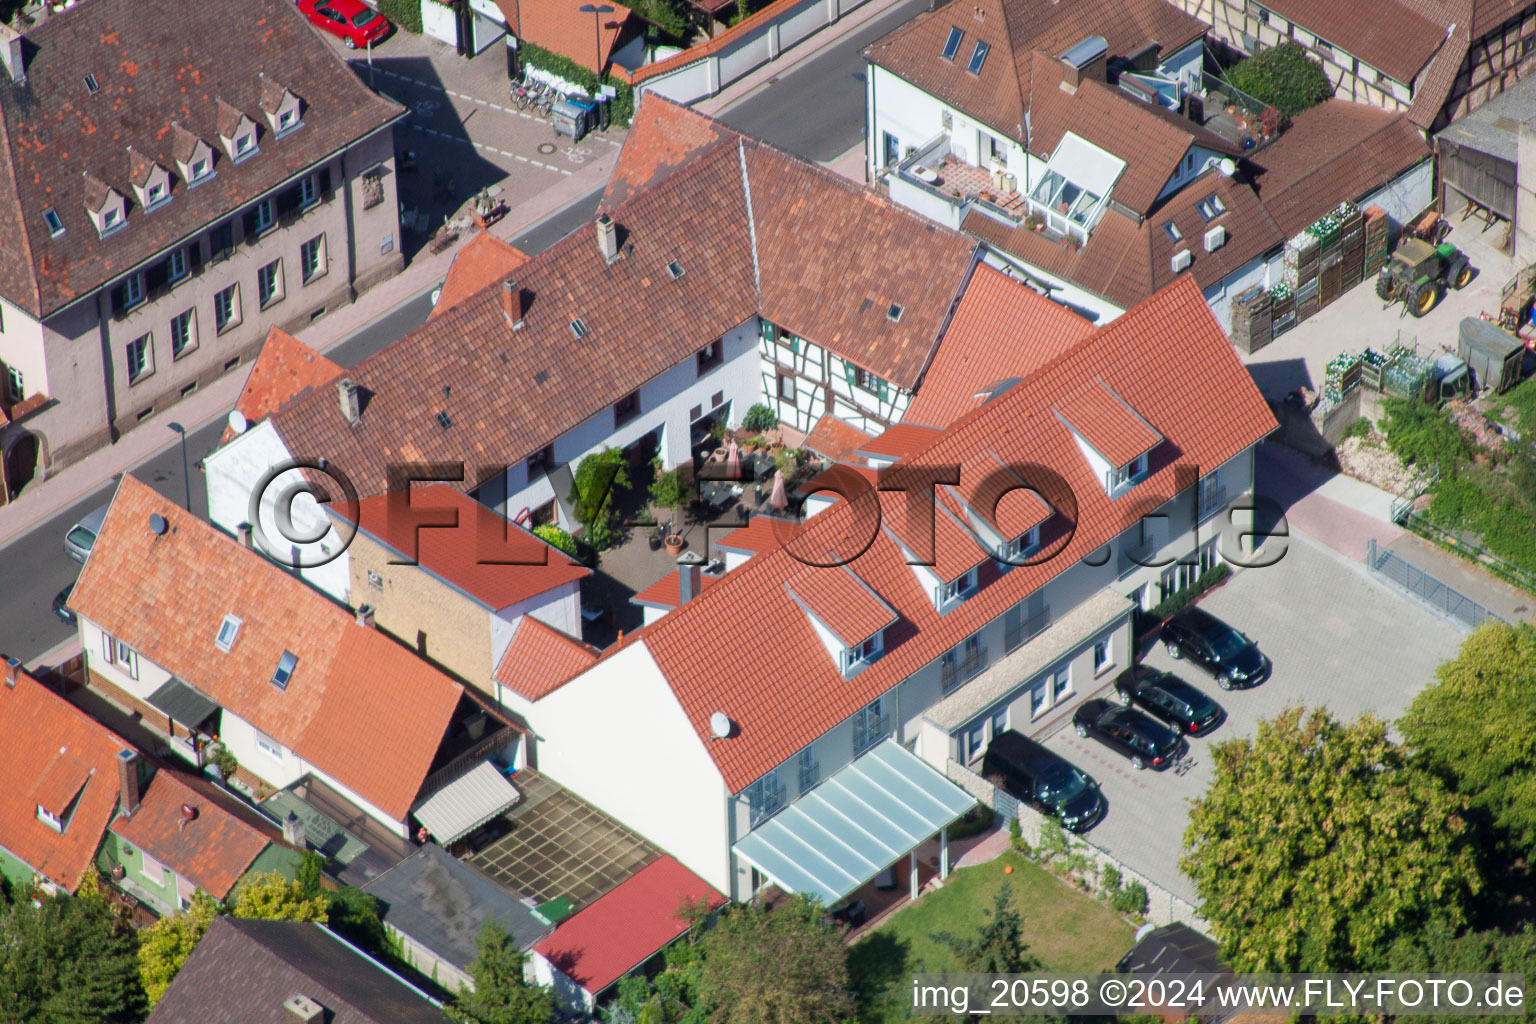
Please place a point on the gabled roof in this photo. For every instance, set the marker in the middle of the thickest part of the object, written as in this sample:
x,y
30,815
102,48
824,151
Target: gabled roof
x,y
561,27
999,95
900,438
285,369
484,556
843,603
1393,36
148,76
514,392
212,850
53,749
835,439
663,139
666,593
975,353
243,971
1104,419
762,533
540,658
621,930
1164,357
481,262
166,597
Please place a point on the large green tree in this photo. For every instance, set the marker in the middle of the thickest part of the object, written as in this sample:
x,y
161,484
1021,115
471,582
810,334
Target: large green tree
x,y
1476,728
1285,77
269,896
1318,844
68,960
165,945
778,966
1439,948
500,995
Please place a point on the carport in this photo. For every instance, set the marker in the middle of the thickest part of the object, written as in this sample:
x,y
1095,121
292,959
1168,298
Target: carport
x,y
856,824
1479,155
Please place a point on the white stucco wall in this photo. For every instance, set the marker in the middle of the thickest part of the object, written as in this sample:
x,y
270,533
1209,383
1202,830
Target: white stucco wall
x,y
439,22
22,348
654,774
914,117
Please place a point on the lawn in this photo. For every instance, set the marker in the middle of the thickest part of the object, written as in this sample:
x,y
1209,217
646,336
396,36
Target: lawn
x,y
1066,931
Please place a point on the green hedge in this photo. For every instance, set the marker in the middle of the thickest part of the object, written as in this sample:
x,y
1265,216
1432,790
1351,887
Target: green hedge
x,y
1284,77
621,110
1186,597
404,13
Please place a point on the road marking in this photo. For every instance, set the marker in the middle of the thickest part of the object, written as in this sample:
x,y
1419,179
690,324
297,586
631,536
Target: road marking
x,y
489,149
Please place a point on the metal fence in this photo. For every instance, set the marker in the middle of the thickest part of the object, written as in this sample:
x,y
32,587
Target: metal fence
x,y
1441,598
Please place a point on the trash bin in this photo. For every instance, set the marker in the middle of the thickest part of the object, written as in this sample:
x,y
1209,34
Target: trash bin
x,y
574,117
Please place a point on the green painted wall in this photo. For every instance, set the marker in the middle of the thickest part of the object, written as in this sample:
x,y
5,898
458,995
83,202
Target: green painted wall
x,y
16,871
162,890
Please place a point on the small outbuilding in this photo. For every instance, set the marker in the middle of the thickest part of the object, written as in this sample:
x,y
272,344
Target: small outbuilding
x,y
1495,356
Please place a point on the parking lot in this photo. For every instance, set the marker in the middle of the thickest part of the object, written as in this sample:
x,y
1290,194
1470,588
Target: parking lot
x,y
1336,638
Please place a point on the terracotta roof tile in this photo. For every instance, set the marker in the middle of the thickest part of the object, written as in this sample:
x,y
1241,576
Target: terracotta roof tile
x,y
465,544
1434,84
1105,420
560,26
1164,357
1002,329
540,659
54,132
843,603
166,596
211,851
667,592
663,138
481,262
38,725
1391,36
835,439
285,369
622,929
901,438
762,533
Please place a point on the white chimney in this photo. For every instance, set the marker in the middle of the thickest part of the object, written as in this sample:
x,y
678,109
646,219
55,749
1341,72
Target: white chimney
x,y
293,831
607,237
302,1008
11,43
365,616
351,400
12,670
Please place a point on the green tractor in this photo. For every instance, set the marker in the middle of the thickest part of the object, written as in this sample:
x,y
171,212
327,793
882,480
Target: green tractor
x,y
1418,271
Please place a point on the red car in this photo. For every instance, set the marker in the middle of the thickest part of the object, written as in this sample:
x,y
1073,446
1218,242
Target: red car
x,y
354,21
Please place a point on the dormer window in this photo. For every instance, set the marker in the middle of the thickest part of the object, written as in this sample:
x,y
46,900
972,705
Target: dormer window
x,y
860,655
958,589
237,132
286,120
197,170
281,106
244,144
1020,548
157,194
1128,474
111,218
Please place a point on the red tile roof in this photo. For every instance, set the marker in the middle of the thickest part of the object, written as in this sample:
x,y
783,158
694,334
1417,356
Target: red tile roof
x,y
666,592
285,369
212,850
355,692
560,26
540,658
1390,35
1002,329
465,544
843,603
601,943
1104,419
903,437
1165,357
483,261
762,533
835,439
52,746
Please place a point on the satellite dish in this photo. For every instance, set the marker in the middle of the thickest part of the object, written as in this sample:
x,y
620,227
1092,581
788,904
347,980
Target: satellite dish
x,y
1227,168
720,725
237,421
158,524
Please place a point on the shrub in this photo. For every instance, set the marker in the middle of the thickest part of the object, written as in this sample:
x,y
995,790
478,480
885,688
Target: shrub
x,y
1455,503
1183,598
597,477
1111,880
1016,836
1130,899
1360,428
976,821
668,490
1283,77
222,758
555,537
404,13
1053,841
760,418
1421,435
621,109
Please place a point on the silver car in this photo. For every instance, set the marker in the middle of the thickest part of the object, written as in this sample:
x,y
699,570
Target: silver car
x,y
82,536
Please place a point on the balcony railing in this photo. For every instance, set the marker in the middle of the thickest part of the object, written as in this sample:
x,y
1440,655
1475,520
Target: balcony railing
x,y
869,730
963,669
470,758
764,802
1212,502
810,774
1027,630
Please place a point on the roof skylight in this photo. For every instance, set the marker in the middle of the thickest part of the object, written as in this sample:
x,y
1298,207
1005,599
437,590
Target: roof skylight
x,y
285,666
978,56
228,630
952,44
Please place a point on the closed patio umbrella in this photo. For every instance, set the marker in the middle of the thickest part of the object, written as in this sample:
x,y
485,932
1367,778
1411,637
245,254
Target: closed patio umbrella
x,y
733,461
778,499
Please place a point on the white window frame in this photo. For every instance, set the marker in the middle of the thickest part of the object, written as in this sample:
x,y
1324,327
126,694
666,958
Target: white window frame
x,y
309,192
233,623
188,318
864,653
274,290
314,248
973,740
269,746
197,170
1122,477
244,145
958,589
15,384
144,344
264,218
178,267
133,291
234,318
1103,655
1021,546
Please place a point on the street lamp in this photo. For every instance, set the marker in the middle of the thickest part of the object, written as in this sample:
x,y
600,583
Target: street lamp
x,y
186,477
597,11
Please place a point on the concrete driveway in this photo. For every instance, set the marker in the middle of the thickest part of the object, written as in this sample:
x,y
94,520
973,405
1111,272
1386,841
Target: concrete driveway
x,y
1337,638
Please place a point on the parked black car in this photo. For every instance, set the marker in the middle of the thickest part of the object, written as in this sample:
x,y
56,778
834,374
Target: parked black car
x,y
1164,695
1227,654
1146,742
61,605
1044,780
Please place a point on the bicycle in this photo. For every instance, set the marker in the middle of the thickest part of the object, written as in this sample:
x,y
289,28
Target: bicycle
x,y
521,97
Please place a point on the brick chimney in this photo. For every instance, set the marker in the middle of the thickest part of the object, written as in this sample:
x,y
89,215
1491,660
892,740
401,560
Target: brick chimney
x,y
293,831
351,400
128,795
12,671
512,303
607,237
365,615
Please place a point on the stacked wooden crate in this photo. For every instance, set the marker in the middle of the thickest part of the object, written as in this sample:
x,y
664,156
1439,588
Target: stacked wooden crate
x,y
1299,271
1251,323
1352,242
1375,237
1282,309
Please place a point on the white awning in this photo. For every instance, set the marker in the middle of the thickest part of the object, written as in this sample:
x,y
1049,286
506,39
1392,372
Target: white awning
x,y
466,803
1086,165
854,825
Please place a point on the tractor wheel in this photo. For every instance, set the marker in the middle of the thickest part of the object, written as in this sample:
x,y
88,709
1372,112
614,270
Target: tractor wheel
x,y
1461,275
1384,287
1423,299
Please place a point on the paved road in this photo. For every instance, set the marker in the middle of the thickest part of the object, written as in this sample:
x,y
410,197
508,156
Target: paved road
x,y
816,110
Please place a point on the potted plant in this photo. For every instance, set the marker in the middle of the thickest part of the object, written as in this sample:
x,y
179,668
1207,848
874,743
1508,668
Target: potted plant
x,y
668,491
674,543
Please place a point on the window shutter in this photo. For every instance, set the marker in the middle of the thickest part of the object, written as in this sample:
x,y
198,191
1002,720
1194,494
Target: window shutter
x,y
157,276
323,182
119,300
287,201
850,373
195,257
248,222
